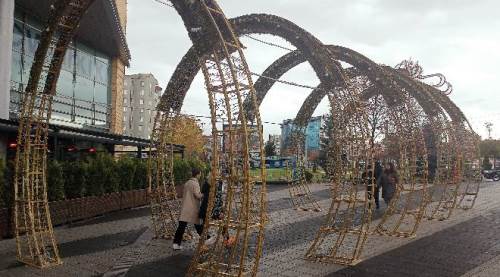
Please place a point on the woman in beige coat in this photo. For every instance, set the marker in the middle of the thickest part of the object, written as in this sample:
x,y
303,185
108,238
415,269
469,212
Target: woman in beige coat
x,y
191,197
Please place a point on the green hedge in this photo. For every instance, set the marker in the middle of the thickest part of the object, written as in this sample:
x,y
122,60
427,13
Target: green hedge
x,y
3,183
141,174
55,179
6,181
75,179
309,176
94,176
126,169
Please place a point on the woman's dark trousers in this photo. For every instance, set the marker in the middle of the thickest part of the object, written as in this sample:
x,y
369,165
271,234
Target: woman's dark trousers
x,y
182,228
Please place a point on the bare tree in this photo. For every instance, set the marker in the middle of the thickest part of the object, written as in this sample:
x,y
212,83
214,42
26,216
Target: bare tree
x,y
377,116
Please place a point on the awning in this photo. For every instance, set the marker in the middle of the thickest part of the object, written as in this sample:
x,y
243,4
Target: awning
x,y
11,127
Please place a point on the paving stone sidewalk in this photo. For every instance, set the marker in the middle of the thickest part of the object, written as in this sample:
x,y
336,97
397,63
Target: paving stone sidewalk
x,y
121,244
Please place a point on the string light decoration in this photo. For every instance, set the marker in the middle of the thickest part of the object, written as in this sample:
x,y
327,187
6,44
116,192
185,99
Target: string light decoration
x,y
35,241
300,194
446,161
395,86
340,239
416,71
162,193
408,210
406,149
471,169
228,82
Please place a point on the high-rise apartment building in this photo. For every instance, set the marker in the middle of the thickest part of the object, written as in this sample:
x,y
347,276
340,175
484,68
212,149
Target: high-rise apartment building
x,y
276,140
141,95
313,134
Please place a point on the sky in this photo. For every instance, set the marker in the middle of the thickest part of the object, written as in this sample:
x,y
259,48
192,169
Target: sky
x,y
458,38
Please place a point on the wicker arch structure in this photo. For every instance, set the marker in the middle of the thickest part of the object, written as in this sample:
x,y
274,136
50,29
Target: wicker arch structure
x,y
447,153
335,218
36,244
387,77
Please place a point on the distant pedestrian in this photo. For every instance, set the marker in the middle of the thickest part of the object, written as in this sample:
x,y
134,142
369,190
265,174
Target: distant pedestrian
x,y
378,172
389,182
191,197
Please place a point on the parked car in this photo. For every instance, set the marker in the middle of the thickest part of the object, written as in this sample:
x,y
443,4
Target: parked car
x,y
493,174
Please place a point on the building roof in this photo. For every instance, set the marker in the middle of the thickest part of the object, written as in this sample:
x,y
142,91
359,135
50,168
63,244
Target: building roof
x,y
99,28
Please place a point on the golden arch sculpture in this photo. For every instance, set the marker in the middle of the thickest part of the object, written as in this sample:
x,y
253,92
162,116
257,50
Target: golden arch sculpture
x,y
232,96
431,100
35,240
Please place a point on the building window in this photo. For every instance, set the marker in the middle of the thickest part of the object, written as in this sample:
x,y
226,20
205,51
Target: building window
x,y
142,83
124,118
83,92
142,92
125,92
124,109
142,110
141,119
124,100
141,101
139,128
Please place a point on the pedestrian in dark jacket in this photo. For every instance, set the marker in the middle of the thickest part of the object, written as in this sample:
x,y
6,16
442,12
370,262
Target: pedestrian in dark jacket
x,y
389,182
217,209
379,170
217,213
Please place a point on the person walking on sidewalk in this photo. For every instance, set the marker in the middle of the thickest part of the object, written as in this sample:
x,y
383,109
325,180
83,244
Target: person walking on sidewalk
x,y
379,171
191,197
389,182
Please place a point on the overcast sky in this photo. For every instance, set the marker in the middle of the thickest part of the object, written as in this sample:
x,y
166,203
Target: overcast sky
x,y
459,38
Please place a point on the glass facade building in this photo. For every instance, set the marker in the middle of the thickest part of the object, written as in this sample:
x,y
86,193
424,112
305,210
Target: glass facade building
x,y
83,91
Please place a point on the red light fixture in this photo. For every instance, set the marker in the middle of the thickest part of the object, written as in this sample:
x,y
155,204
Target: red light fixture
x,y
71,148
92,150
12,145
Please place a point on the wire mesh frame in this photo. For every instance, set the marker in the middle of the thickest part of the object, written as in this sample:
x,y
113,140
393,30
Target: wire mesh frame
x,y
471,172
163,199
343,234
446,169
407,206
35,241
228,82
300,195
